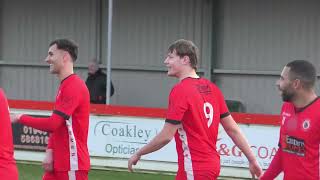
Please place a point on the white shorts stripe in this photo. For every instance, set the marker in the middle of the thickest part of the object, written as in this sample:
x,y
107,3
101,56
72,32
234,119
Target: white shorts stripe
x,y
72,147
72,175
186,153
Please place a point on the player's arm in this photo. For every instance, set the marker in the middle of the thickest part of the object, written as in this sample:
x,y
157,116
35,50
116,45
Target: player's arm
x,y
234,132
160,140
48,124
275,167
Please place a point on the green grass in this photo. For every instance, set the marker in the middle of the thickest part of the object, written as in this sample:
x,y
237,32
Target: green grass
x,y
34,172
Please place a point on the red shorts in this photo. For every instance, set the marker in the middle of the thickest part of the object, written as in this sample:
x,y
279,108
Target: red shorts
x,y
9,172
197,175
65,175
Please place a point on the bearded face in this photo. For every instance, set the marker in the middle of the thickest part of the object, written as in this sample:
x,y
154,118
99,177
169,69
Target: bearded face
x,y
285,86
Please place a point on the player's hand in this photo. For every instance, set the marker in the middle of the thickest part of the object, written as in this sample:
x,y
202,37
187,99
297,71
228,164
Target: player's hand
x,y
261,177
133,161
255,169
15,118
47,163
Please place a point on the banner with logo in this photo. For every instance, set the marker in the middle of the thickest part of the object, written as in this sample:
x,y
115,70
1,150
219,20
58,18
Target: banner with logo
x,y
262,139
121,137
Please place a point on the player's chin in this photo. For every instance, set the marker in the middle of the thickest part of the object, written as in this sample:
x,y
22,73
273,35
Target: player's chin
x,y
53,71
170,74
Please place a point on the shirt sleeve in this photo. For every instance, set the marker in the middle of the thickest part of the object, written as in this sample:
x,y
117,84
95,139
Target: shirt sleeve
x,y
178,105
224,111
50,141
275,167
48,124
67,101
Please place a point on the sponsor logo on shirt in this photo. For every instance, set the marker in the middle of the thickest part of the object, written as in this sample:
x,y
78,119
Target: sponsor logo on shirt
x,y
285,115
294,145
204,89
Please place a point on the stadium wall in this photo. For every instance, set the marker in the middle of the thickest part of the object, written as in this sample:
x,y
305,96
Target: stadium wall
x,y
116,132
244,45
255,39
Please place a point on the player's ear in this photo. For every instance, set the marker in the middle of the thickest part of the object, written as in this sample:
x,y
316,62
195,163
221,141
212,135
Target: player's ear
x,y
297,83
186,60
66,56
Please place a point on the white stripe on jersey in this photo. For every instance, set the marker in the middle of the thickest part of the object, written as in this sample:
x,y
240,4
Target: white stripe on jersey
x,y
186,153
72,147
72,175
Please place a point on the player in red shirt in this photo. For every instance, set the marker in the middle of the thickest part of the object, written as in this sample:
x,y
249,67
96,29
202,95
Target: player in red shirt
x,y
196,107
299,142
67,155
8,168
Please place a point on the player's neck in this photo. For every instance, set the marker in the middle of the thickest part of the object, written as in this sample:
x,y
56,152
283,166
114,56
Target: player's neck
x,y
187,74
65,73
304,99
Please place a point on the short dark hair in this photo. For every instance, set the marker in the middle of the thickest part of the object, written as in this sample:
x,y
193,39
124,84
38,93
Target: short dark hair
x,y
186,48
67,45
304,71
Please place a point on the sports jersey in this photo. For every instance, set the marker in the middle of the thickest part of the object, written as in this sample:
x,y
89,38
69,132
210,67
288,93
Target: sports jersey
x,y
198,105
299,143
69,125
8,169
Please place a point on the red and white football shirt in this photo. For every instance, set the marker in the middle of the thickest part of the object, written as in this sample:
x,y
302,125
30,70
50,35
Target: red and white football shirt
x,y
198,105
298,154
68,124
8,169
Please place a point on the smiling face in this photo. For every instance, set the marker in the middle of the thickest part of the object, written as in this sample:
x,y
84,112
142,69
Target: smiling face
x,y
55,59
285,85
174,64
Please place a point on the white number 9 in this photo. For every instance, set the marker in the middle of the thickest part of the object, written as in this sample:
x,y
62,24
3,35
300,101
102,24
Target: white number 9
x,y
209,114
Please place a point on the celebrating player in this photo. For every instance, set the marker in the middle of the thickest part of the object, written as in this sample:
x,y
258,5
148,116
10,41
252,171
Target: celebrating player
x,y
196,107
67,155
299,150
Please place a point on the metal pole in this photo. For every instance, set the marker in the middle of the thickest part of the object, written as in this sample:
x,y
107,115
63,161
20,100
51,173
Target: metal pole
x,y
110,6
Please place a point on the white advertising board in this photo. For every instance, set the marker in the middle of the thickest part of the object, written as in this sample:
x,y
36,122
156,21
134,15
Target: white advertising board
x,y
262,139
120,137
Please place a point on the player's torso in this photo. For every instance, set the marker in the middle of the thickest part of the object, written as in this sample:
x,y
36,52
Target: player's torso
x,y
71,140
196,140
300,140
6,144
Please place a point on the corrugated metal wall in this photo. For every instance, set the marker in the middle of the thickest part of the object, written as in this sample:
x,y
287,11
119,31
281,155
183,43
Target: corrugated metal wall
x,y
29,26
256,39
142,31
26,30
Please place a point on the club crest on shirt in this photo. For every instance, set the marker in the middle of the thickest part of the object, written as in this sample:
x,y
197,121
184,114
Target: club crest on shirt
x,y
306,124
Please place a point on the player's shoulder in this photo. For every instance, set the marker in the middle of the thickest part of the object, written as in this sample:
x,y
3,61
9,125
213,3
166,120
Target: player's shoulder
x,y
287,105
2,92
2,95
73,83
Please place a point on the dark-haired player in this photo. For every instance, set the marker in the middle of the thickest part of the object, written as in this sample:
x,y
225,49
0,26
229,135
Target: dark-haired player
x,y
67,156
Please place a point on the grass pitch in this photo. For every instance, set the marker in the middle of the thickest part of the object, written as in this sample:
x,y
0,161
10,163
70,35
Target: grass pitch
x,y
35,172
